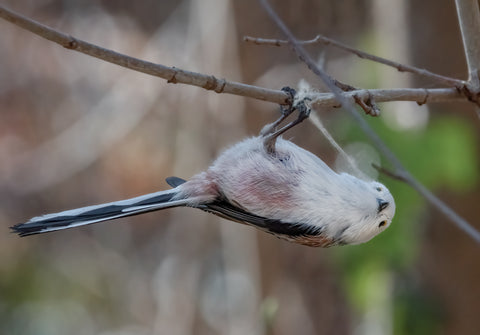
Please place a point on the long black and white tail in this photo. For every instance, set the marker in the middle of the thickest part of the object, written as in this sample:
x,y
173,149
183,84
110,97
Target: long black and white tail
x,y
93,214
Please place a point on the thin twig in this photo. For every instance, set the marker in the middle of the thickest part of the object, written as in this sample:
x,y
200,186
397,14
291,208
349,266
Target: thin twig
x,y
469,20
419,95
362,54
368,105
464,225
348,105
389,173
171,74
176,75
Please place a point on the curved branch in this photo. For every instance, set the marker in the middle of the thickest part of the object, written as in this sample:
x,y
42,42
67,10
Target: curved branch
x,y
171,74
362,54
176,75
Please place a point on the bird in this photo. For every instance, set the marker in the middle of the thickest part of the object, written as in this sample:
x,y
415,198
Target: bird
x,y
266,182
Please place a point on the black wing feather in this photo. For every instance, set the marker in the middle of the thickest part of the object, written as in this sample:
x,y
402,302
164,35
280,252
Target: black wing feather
x,y
175,181
227,210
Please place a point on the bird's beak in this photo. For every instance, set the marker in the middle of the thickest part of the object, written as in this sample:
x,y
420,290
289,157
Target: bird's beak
x,y
382,204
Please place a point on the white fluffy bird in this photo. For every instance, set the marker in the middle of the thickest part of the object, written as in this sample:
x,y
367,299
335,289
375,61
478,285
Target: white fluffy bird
x,y
266,182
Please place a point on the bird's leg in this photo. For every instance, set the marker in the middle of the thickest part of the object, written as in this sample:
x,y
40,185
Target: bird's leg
x,y
272,127
303,113
285,110
270,138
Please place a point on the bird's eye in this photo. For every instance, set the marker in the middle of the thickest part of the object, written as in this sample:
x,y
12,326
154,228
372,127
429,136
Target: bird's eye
x,y
381,224
379,189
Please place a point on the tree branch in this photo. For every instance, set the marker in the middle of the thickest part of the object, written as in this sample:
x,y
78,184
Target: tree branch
x,y
469,20
419,95
400,67
427,194
176,75
348,105
171,74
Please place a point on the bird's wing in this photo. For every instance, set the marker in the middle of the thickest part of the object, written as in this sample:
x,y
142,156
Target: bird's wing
x,y
228,211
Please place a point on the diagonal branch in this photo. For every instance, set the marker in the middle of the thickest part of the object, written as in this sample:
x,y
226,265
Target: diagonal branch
x,y
362,54
469,19
171,74
348,105
464,225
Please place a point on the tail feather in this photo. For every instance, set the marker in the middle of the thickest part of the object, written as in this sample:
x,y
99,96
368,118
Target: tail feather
x,y
98,213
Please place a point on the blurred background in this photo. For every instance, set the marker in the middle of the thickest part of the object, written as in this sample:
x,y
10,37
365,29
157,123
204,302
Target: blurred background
x,y
76,131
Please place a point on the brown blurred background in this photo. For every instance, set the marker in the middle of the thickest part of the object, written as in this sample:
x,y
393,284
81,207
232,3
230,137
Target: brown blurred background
x,y
76,131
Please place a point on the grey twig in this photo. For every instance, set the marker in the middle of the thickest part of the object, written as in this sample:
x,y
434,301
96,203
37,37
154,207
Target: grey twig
x,y
389,173
362,54
348,105
171,74
469,21
175,75
419,95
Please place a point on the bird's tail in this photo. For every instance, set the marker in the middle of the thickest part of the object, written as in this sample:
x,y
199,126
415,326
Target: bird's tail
x,y
93,214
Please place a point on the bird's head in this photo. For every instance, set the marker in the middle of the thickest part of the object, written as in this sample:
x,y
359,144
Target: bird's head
x,y
376,209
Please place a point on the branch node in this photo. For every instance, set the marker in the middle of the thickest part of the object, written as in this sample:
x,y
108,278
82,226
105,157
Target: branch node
x,y
367,104
344,87
320,38
71,44
211,83
470,93
220,85
401,68
425,98
173,79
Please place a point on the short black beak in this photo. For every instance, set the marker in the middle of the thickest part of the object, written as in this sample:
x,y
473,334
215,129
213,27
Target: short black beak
x,y
382,204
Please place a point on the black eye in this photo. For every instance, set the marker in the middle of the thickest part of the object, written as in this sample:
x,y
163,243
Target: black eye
x,y
381,224
379,189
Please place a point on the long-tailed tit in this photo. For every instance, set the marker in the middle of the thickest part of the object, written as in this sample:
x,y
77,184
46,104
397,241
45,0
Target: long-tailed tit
x,y
266,182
